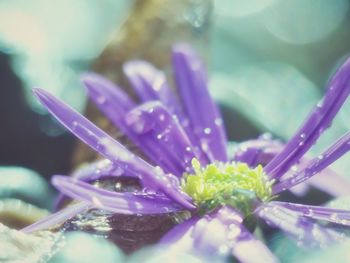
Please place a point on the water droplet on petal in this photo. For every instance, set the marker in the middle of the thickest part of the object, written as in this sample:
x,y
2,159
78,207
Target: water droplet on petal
x,y
218,121
101,100
207,130
294,168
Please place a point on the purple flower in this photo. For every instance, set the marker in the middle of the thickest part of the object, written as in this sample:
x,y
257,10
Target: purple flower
x,y
186,143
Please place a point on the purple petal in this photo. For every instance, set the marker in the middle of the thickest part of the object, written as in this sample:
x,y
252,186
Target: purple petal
x,y
334,215
123,203
99,169
302,229
57,218
150,84
248,249
105,92
202,111
262,150
180,237
319,120
111,149
153,124
316,165
108,97
259,151
219,233
116,105
92,172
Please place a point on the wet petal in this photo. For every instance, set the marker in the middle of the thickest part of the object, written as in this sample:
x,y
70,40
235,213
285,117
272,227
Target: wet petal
x,y
248,249
150,84
92,172
305,231
202,111
99,169
262,150
116,105
258,151
57,218
161,133
334,215
316,165
319,120
123,203
108,97
221,233
180,237
110,148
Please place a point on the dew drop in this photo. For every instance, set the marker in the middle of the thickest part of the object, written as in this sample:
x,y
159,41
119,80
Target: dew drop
x,y
118,186
310,212
101,100
294,168
320,104
334,217
207,130
218,121
344,222
266,136
75,124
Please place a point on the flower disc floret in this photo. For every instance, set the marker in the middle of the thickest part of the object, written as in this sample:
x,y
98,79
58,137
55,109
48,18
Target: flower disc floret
x,y
234,184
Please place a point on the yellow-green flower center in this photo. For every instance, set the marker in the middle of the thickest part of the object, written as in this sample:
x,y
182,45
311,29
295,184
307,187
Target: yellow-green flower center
x,y
234,184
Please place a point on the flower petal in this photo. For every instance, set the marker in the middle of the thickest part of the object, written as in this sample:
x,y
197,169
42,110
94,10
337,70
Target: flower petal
x,y
158,130
94,171
123,203
221,233
116,105
333,153
320,119
334,215
57,218
99,169
150,84
302,229
111,149
111,99
202,111
258,151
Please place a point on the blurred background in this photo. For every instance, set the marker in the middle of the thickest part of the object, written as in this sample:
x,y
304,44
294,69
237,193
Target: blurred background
x,y
269,62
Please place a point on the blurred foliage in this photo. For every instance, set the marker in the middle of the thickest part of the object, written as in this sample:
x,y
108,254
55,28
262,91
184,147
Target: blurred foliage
x,y
51,42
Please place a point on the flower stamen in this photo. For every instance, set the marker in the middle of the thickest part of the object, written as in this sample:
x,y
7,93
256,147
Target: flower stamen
x,y
234,184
